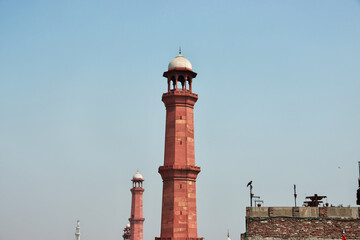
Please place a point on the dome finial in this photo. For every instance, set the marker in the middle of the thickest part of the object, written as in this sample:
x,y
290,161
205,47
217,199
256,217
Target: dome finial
x,y
228,235
180,50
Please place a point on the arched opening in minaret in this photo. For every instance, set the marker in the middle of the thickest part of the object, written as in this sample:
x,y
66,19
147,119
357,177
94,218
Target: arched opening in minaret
x,y
181,82
189,82
173,82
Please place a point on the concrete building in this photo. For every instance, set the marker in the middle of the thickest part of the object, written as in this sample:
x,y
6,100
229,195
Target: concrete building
x,y
293,223
179,172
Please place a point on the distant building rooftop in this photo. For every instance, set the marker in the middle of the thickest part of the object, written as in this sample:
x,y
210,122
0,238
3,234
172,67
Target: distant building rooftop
x,y
326,212
297,223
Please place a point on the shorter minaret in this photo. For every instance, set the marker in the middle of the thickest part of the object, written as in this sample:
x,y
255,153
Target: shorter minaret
x,y
77,231
127,233
136,219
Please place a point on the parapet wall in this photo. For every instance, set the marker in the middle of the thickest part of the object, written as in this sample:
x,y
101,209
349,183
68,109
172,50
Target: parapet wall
x,y
309,212
295,223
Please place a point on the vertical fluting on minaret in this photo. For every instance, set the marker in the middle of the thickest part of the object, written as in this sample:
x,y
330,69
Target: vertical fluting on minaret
x,y
136,219
77,231
179,172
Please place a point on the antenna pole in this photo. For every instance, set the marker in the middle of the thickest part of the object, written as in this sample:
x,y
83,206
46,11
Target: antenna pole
x,y
295,195
359,173
251,195
358,190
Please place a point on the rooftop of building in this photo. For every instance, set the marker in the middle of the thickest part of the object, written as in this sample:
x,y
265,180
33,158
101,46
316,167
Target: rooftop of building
x,y
306,212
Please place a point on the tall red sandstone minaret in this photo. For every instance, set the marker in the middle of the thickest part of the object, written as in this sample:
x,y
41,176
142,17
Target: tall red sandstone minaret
x,y
178,220
136,219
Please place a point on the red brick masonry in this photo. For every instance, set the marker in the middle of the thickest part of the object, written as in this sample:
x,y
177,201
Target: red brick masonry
x,y
285,227
303,222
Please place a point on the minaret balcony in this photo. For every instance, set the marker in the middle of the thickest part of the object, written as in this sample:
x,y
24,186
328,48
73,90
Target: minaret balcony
x,y
180,172
181,92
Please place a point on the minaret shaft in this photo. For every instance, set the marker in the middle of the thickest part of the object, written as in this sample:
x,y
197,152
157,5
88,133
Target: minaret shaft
x,y
179,136
136,219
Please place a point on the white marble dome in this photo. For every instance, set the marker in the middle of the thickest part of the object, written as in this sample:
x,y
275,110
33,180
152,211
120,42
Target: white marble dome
x,y
180,62
128,225
137,175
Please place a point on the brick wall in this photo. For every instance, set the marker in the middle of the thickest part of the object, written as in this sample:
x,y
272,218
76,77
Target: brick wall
x,y
302,223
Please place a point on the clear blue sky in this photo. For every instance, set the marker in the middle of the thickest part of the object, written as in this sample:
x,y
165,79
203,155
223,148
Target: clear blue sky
x,y
81,111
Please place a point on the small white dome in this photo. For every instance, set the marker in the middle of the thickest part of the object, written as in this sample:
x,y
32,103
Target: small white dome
x,y
137,175
180,62
127,225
